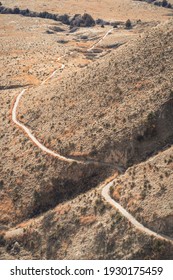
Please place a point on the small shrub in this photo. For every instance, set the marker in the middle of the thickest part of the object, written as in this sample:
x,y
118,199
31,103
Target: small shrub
x,y
128,24
2,239
16,10
164,3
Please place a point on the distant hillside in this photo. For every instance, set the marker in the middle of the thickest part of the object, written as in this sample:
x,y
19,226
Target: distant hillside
x,y
107,9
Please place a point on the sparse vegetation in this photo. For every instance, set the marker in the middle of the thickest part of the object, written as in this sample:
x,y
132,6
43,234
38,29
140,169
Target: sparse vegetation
x,y
116,111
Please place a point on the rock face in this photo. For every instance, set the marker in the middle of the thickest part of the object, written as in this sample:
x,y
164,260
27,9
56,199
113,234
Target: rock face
x,y
83,21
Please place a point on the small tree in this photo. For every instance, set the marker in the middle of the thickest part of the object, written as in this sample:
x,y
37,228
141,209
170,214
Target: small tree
x,y
16,10
164,3
128,24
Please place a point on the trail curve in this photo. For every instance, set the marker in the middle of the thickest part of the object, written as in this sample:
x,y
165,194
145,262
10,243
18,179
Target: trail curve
x,y
128,216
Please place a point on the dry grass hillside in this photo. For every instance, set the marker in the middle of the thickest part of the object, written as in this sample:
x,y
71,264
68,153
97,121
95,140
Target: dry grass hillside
x,y
146,190
112,105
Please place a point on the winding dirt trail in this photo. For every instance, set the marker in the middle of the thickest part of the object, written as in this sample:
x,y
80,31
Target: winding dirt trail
x,y
31,136
106,188
128,216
